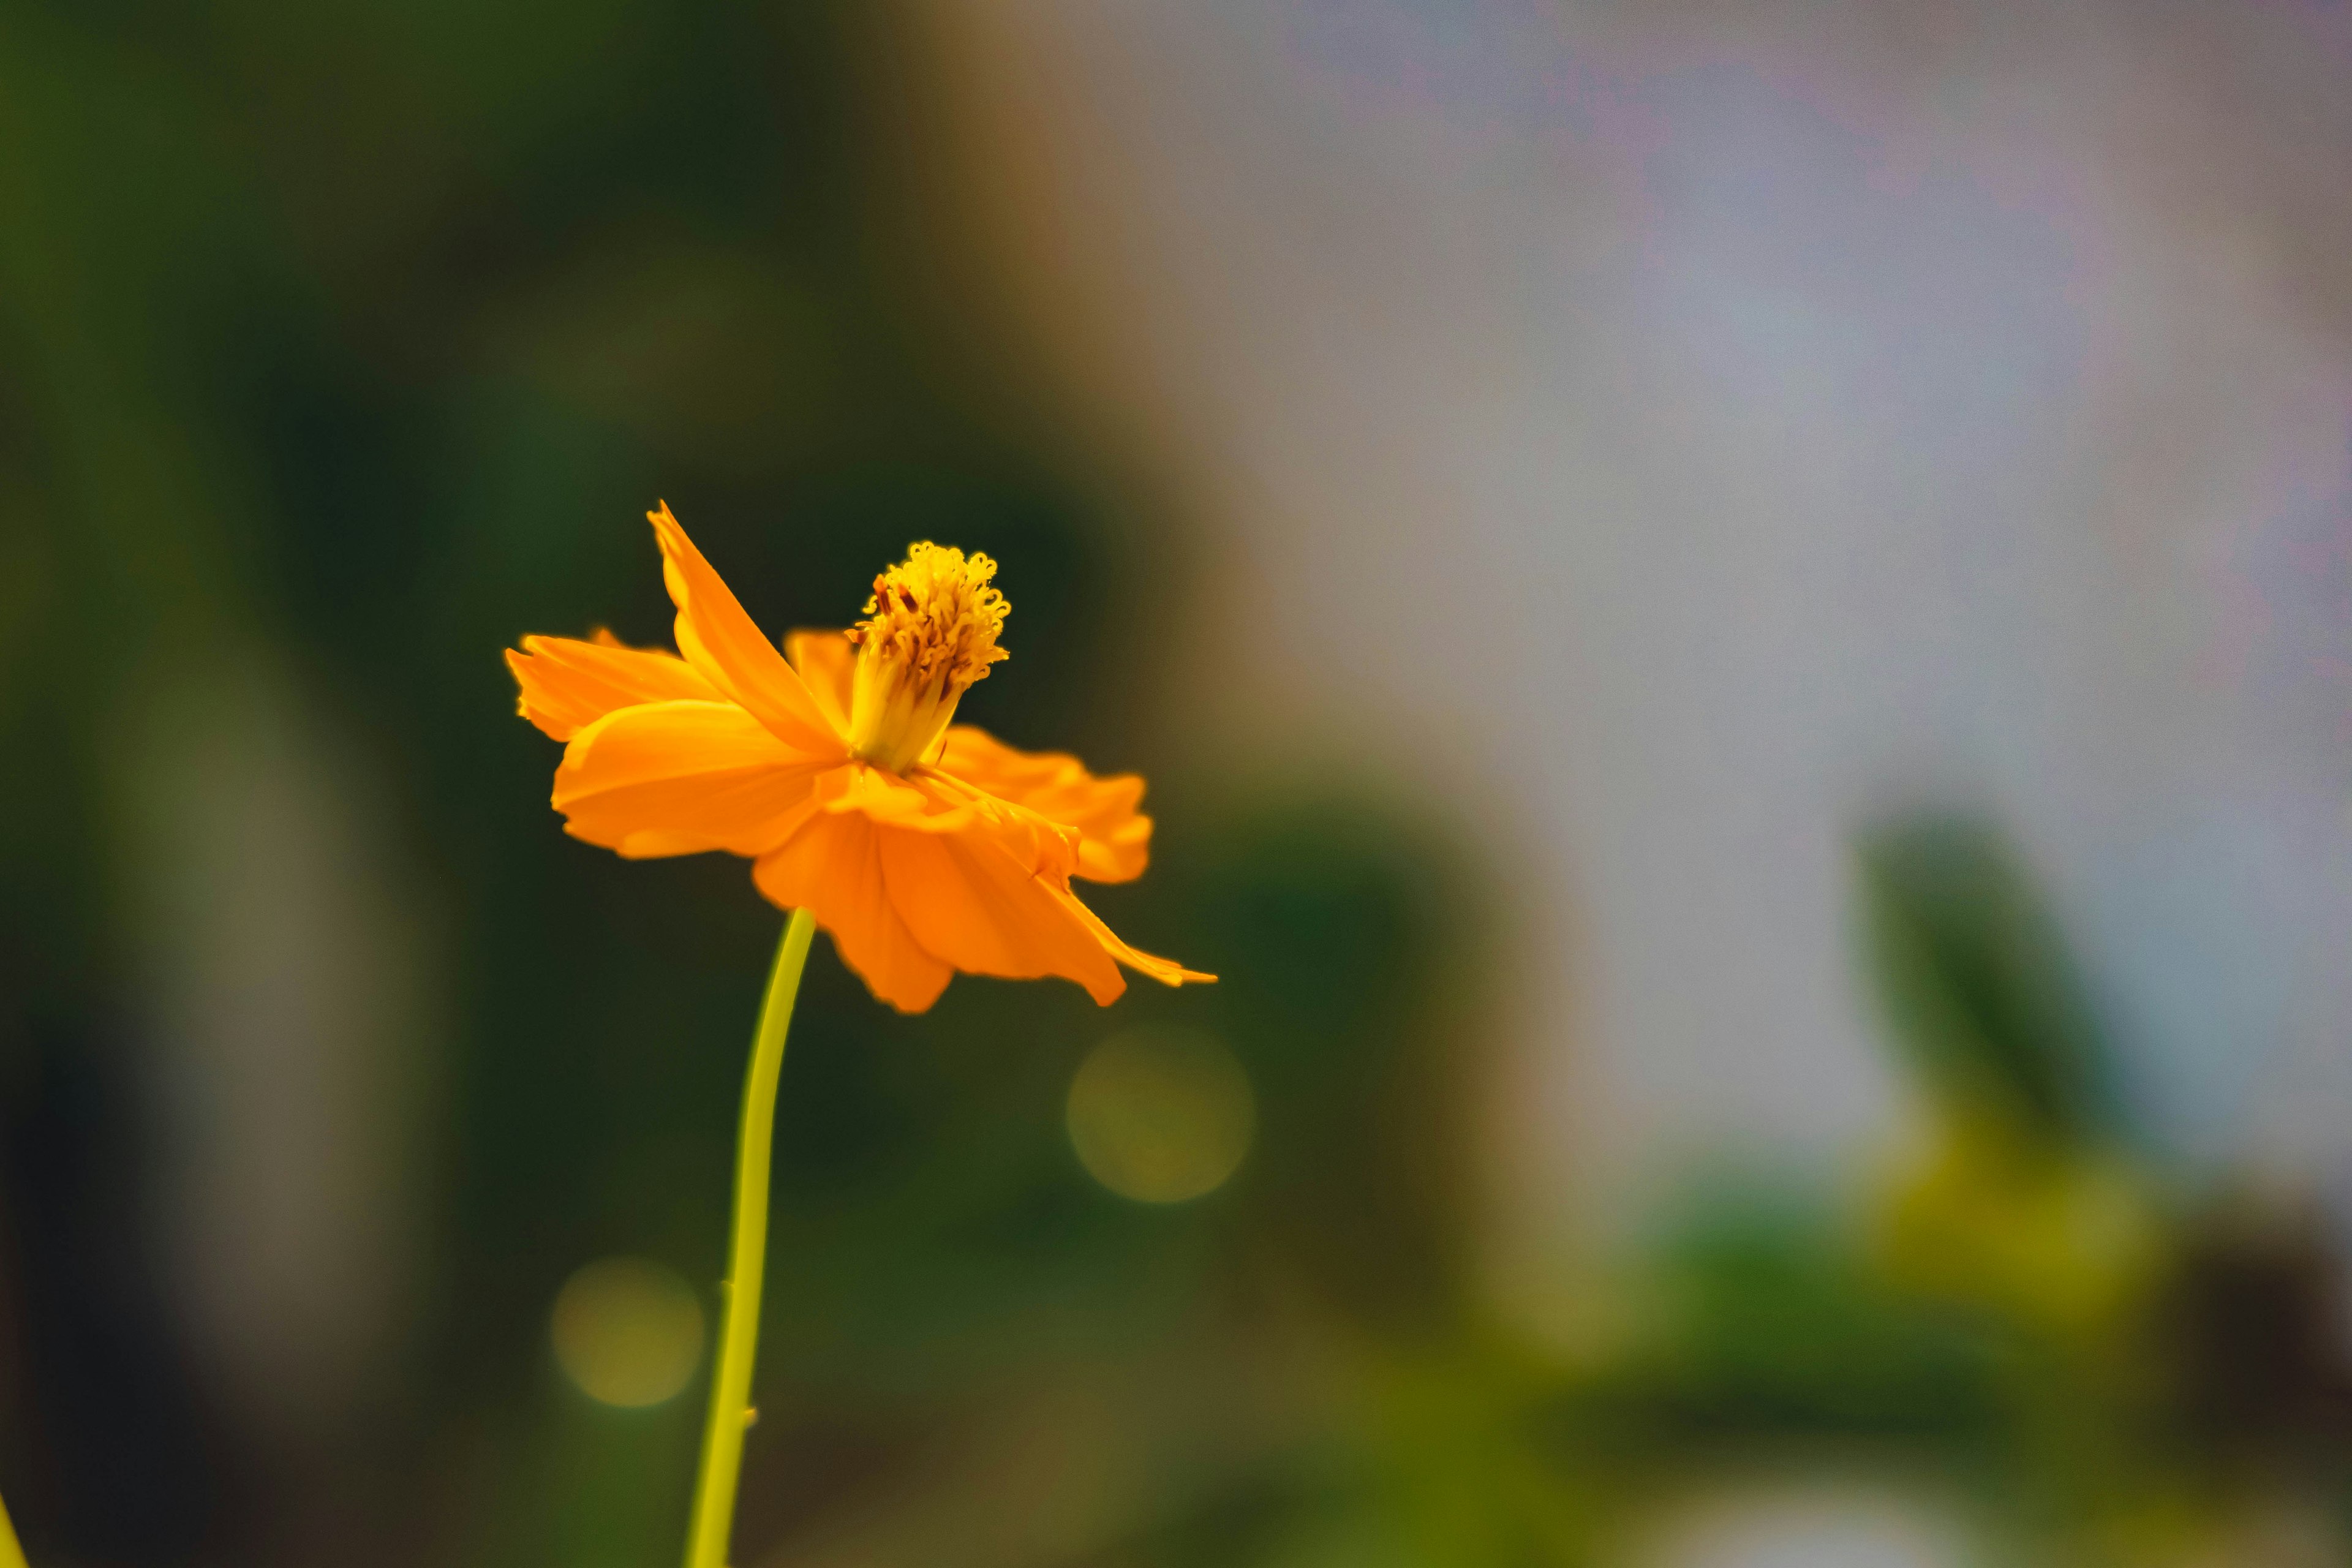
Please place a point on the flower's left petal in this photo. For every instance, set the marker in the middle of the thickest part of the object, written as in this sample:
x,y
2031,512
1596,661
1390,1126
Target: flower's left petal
x,y
718,640
1168,972
826,662
973,904
566,684
676,778
832,868
1114,838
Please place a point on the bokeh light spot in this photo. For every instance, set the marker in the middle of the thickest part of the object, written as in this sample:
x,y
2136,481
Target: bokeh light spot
x,y
628,1332
1161,1116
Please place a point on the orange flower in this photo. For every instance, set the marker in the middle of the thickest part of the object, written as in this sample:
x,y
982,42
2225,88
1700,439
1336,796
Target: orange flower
x,y
923,847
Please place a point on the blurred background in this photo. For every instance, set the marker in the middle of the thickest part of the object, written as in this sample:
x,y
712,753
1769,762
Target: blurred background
x,y
1740,618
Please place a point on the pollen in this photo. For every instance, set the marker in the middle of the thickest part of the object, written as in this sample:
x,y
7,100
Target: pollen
x,y
930,633
936,617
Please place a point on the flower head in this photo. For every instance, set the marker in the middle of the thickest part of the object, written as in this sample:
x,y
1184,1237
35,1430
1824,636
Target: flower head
x,y
924,847
930,632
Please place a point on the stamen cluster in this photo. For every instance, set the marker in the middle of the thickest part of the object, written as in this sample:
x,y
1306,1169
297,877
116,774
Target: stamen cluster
x,y
934,617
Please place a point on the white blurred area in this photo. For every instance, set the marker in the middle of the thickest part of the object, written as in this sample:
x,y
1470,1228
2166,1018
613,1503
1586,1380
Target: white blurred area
x,y
1671,435
1804,1527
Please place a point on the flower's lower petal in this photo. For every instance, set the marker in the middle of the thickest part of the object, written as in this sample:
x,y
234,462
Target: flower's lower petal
x,y
894,802
929,801
832,868
1168,972
719,640
677,778
566,684
826,662
968,900
1114,838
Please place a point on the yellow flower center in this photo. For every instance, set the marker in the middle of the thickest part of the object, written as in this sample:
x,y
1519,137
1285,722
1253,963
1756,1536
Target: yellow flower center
x,y
930,632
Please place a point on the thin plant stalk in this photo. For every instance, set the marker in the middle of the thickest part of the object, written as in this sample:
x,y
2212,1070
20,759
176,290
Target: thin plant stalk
x,y
747,1250
12,1555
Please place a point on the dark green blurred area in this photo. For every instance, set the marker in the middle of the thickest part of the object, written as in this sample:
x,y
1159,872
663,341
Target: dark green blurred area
x,y
338,349
343,347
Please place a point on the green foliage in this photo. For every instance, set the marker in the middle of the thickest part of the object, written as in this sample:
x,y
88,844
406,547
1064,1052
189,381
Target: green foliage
x,y
1976,983
1771,1323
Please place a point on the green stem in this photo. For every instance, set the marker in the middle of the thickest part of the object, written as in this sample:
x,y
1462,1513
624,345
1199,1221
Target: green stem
x,y
747,1251
11,1554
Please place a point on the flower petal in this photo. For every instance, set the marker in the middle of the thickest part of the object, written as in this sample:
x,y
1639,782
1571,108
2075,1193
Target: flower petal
x,y
677,778
928,801
969,902
1114,838
895,802
832,868
718,640
1166,971
567,684
826,662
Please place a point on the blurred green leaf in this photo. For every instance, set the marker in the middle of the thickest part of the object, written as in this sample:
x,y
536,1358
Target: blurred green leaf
x,y
1976,982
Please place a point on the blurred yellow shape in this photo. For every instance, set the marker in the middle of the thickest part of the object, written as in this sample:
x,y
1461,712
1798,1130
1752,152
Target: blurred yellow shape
x,y
628,1332
2068,1239
1160,1116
